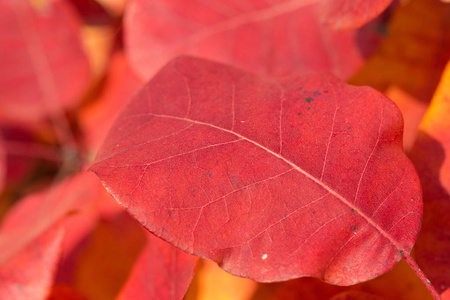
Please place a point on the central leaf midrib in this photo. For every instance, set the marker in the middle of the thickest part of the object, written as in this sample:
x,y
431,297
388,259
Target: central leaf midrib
x,y
305,173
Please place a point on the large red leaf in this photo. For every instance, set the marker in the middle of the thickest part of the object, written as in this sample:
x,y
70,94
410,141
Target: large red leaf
x,y
161,272
272,179
44,69
347,14
266,37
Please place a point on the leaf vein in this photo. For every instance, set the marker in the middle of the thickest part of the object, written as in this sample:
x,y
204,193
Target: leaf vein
x,y
300,170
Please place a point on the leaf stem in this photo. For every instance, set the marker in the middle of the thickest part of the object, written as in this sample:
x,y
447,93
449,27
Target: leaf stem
x,y
422,277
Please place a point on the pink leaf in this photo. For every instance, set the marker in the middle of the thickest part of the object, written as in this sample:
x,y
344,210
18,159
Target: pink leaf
x,y
44,69
43,210
28,274
277,39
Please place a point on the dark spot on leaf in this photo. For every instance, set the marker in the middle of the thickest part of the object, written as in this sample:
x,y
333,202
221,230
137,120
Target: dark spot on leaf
x,y
325,92
313,212
316,93
299,114
309,107
349,127
309,99
268,140
209,174
353,228
402,253
354,210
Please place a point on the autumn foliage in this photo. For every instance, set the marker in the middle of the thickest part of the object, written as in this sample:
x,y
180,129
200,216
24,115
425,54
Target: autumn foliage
x,y
167,149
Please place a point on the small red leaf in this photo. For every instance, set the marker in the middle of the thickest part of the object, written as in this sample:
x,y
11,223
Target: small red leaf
x,y
272,179
161,272
29,273
44,69
275,38
43,210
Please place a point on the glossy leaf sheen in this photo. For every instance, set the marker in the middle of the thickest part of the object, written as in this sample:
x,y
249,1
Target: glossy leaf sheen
x,y
272,179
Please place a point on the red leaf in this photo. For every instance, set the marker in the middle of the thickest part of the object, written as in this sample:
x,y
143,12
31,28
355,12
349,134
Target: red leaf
x,y
43,210
272,179
349,14
280,38
44,69
29,273
161,272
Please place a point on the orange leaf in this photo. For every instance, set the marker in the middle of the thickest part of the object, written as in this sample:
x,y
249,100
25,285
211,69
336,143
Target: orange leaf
x,y
211,282
121,84
415,51
105,265
161,272
412,110
431,156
